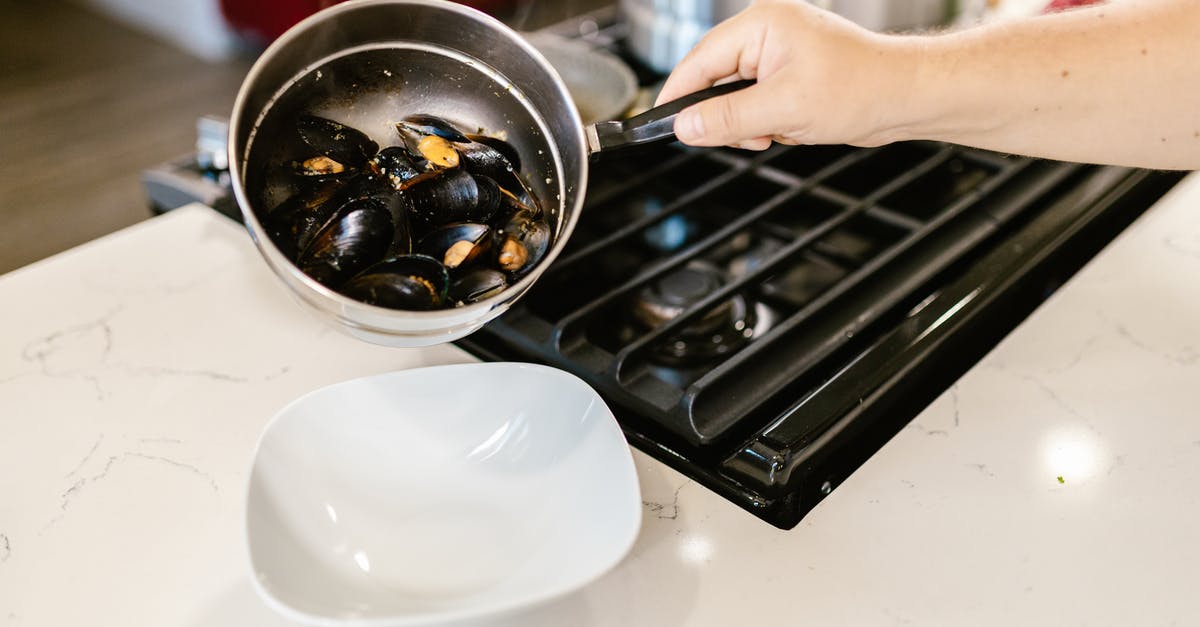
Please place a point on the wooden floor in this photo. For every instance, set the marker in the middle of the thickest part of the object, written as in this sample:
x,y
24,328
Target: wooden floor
x,y
85,105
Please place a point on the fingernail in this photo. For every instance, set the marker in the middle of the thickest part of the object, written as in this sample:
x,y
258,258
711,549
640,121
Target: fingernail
x,y
689,126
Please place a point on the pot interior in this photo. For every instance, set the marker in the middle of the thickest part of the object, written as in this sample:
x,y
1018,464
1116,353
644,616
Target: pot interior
x,y
372,87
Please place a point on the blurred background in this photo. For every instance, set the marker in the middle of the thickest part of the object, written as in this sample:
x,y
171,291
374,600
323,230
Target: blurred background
x,y
94,93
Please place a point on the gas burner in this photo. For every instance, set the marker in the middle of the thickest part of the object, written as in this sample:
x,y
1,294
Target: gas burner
x,y
722,330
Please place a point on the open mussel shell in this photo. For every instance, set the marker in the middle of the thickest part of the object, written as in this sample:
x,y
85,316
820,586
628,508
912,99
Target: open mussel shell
x,y
453,195
416,282
505,149
359,235
423,124
347,146
323,168
476,285
528,229
304,211
303,225
396,166
439,152
457,245
483,160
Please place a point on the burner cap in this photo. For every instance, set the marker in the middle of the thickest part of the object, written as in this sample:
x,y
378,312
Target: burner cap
x,y
721,330
668,297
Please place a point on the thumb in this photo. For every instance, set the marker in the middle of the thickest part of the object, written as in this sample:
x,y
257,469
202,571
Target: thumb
x,y
724,120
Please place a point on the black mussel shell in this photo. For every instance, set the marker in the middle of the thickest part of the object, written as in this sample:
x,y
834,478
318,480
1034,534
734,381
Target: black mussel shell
x,y
307,209
506,150
345,145
489,202
396,166
457,245
529,229
405,282
307,225
483,160
453,195
424,124
476,285
402,237
359,235
513,202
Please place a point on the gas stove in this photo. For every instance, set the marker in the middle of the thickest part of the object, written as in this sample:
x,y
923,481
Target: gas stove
x,y
765,322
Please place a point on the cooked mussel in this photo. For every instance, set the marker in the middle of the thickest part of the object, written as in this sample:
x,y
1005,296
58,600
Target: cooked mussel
x,y
526,238
432,139
506,150
302,212
321,167
405,282
396,166
458,244
513,255
441,220
360,234
341,144
306,224
424,124
483,159
476,285
453,196
362,230
438,151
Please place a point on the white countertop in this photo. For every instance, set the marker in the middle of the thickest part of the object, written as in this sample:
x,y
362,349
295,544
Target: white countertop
x,y
136,373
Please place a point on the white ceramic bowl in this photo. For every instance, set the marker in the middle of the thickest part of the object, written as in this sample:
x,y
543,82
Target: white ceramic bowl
x,y
438,494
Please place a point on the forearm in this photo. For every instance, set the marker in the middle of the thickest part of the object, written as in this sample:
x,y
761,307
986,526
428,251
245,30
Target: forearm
x,y
1113,84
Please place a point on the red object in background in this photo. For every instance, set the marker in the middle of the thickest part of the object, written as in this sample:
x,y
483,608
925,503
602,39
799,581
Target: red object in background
x,y
264,20
1062,5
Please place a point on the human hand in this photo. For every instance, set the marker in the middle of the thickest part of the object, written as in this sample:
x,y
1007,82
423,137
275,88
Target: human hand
x,y
821,80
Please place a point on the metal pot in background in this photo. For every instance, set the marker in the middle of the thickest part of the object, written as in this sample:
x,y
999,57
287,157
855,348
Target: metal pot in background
x,y
661,32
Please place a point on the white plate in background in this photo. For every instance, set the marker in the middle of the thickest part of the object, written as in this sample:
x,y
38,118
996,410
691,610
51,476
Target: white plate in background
x,y
602,86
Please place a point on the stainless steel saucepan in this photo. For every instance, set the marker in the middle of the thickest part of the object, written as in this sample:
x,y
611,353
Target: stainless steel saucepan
x,y
368,63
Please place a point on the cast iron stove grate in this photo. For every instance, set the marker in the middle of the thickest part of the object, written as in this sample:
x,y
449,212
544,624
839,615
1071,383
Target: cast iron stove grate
x,y
764,322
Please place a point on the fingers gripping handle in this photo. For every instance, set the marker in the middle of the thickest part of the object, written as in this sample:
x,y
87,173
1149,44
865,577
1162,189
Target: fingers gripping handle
x,y
653,126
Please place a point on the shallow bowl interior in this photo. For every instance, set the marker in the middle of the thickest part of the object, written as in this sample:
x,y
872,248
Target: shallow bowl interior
x,y
437,494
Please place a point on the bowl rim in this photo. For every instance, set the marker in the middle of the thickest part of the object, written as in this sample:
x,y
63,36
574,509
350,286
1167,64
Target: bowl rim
x,y
509,605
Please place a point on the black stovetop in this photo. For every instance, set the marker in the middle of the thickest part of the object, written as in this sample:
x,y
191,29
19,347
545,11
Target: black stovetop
x,y
765,322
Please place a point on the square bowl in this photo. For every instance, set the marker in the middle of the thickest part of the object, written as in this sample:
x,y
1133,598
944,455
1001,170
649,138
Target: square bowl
x,y
438,494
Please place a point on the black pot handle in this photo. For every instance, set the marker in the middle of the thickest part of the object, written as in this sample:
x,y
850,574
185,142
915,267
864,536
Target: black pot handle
x,y
653,126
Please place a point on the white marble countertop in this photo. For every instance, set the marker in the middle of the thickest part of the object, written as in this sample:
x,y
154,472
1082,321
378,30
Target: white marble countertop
x,y
136,373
